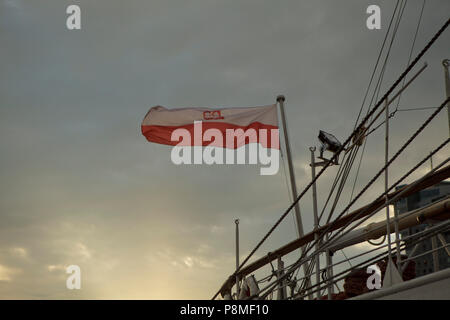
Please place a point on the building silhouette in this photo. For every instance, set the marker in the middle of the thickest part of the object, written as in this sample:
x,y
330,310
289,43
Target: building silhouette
x,y
424,263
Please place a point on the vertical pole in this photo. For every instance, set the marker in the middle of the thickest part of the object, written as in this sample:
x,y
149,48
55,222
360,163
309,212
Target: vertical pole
x,y
444,243
386,182
282,292
435,253
316,218
329,258
280,100
396,229
237,257
446,64
298,218
392,272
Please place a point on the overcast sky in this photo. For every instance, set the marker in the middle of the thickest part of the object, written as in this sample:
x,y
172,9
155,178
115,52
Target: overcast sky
x,y
81,185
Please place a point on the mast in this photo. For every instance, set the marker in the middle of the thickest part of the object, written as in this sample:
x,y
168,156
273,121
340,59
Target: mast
x,y
237,257
446,64
298,218
392,275
316,216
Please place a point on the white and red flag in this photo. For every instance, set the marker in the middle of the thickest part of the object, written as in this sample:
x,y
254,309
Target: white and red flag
x,y
224,127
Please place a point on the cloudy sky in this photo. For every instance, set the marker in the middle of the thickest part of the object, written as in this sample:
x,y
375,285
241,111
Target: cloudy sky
x,y
80,184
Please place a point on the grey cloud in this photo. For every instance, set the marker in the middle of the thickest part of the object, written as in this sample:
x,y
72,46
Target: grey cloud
x,y
76,170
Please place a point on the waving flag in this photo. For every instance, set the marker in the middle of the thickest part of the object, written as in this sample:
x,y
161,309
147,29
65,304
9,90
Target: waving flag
x,y
224,127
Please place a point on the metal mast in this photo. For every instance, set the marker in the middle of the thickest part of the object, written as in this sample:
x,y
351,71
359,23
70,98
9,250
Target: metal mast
x,y
298,218
446,64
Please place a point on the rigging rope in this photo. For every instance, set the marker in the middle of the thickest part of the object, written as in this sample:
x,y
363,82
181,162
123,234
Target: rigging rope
x,y
405,72
349,164
377,87
300,260
424,234
418,237
376,91
376,64
371,260
411,50
367,91
403,147
392,114
417,109
379,243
